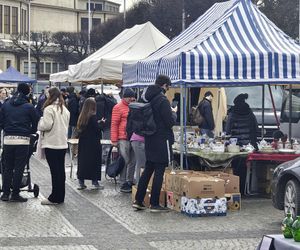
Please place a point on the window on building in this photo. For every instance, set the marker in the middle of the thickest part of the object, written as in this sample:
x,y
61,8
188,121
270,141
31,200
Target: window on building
x,y
98,6
42,71
33,69
48,68
8,63
84,24
7,19
54,67
96,22
23,22
61,67
14,20
92,6
1,15
25,68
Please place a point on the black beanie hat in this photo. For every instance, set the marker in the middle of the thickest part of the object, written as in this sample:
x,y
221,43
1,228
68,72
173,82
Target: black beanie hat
x,y
128,93
91,93
23,88
240,98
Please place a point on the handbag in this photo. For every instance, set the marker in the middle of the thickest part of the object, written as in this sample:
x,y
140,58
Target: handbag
x,y
114,167
40,152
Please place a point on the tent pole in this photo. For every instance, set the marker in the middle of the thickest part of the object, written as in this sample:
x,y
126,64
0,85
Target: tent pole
x,y
102,90
184,125
273,106
181,126
263,112
290,112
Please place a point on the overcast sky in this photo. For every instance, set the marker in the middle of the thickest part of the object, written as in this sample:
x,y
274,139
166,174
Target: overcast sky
x,y
129,3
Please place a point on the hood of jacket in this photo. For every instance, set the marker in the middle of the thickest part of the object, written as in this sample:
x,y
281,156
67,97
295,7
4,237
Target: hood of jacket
x,y
152,91
241,109
18,99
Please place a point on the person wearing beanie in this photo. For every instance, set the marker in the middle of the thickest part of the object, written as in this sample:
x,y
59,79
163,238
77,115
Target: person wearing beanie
x,y
242,124
205,107
72,104
119,138
18,119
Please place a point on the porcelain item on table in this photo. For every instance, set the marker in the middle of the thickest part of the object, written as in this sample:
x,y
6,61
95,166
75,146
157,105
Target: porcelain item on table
x,y
233,148
286,151
233,141
248,148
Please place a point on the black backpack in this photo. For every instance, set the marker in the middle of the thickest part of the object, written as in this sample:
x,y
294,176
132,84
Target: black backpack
x,y
114,166
140,119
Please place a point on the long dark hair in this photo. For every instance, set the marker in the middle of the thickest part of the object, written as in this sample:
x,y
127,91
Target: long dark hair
x,y
88,109
54,94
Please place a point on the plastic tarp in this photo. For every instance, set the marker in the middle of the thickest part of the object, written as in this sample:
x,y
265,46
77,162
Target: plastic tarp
x,y
11,75
129,46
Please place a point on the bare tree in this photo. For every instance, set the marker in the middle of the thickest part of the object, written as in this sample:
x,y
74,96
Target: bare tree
x,y
38,46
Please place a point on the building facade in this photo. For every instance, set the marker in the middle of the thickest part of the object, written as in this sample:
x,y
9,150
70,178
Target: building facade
x,y
46,15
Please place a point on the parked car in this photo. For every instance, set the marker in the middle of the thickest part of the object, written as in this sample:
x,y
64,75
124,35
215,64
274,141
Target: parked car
x,y
286,187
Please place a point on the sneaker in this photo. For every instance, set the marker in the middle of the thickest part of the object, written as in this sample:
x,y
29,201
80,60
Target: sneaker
x,y
159,209
5,197
81,187
97,187
18,198
47,202
126,188
138,205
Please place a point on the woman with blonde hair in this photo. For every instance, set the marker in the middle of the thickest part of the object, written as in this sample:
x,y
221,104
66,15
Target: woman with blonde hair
x,y
54,129
89,146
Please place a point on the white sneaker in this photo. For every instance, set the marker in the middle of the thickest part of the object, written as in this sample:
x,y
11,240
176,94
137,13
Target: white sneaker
x,y
97,187
47,202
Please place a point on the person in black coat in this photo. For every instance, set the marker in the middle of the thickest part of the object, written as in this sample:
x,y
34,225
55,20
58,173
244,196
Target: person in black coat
x,y
208,124
89,146
241,124
158,147
73,106
19,120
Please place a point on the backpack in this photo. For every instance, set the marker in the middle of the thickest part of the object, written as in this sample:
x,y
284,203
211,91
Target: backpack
x,y
114,166
140,119
197,117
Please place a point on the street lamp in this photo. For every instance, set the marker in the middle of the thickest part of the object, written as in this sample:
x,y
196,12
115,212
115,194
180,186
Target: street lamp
x,y
29,58
89,27
124,13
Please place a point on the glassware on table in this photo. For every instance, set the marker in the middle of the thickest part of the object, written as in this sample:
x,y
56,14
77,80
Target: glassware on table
x,y
296,229
286,226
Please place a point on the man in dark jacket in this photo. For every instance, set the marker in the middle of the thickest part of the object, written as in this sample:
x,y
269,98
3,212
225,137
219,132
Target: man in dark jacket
x,y
18,119
158,147
73,106
208,125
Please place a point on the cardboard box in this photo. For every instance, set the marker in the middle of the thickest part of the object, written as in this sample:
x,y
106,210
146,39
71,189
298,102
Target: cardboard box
x,y
233,201
202,187
162,197
204,206
173,201
232,182
172,182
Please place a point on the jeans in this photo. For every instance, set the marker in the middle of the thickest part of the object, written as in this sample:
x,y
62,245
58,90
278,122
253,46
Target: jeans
x,y
208,132
140,158
15,158
56,162
158,170
126,151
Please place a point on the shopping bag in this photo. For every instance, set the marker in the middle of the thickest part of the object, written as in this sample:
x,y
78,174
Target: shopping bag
x,y
40,152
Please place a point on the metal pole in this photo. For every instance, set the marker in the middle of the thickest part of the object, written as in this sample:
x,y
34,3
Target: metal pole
x,y
183,16
29,40
124,13
89,27
299,21
182,142
263,113
290,112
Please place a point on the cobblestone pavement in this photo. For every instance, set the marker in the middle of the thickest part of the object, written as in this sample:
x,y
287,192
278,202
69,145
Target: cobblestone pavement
x,y
104,219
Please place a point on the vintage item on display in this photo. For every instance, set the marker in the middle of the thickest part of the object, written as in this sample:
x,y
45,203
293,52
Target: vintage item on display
x,y
286,151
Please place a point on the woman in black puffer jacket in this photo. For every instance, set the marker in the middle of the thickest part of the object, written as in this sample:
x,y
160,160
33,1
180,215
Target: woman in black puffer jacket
x,y
242,124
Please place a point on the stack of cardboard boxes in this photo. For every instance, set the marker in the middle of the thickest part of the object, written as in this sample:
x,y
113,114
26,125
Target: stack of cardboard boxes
x,y
198,193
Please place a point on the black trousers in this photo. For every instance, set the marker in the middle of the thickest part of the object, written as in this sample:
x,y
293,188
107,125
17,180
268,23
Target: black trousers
x,y
14,161
56,162
158,170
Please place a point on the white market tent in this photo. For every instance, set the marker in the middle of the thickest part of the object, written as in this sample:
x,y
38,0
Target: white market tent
x,y
129,46
62,76
231,43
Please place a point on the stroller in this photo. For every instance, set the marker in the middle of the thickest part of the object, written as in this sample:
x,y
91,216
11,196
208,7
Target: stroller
x,y
26,179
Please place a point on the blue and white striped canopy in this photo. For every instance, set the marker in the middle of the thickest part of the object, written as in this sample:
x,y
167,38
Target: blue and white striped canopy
x,y
232,43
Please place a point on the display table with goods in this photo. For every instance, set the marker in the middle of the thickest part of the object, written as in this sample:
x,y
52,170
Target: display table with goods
x,y
72,143
262,164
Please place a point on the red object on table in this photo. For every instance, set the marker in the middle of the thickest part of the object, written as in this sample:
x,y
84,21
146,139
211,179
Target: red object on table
x,y
271,157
